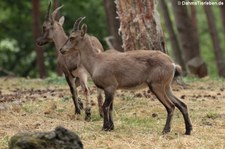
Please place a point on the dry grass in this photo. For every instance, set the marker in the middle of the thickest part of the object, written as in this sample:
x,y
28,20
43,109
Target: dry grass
x,y
138,120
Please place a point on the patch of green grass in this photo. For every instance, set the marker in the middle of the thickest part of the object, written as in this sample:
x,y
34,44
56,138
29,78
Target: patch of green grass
x,y
128,97
130,125
212,115
95,117
60,110
219,79
28,109
4,142
137,121
56,80
210,119
190,79
65,99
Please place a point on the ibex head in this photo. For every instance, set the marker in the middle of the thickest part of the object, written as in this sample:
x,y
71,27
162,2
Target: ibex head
x,y
49,25
76,37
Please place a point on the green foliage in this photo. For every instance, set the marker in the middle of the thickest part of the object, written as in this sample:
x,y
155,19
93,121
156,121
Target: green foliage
x,y
16,36
93,10
205,41
17,45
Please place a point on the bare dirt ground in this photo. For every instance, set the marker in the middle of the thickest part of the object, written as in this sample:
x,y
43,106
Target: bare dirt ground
x,y
41,105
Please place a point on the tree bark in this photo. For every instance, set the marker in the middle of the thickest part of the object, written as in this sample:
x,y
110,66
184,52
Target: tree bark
x,y
222,10
215,39
172,35
188,39
194,24
36,33
113,24
140,25
185,30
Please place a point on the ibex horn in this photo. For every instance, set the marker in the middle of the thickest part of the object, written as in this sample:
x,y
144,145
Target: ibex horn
x,y
55,12
48,12
77,23
78,26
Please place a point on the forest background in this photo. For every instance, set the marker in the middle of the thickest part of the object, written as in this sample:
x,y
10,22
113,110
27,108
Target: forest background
x,y
20,25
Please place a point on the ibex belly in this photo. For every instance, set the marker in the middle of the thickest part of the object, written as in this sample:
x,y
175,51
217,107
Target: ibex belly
x,y
134,87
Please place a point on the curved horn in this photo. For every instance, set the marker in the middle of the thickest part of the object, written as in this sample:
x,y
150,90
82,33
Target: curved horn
x,y
48,12
55,12
78,26
76,23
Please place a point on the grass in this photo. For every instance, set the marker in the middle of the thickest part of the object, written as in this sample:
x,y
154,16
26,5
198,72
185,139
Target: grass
x,y
138,120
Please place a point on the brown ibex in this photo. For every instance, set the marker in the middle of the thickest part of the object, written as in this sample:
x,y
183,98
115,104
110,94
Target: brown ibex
x,y
54,32
137,68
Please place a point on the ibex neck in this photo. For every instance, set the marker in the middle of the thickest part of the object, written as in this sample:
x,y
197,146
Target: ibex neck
x,y
88,55
59,39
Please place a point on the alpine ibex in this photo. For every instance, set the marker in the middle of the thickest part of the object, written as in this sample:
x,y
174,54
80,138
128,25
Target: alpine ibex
x,y
113,71
54,32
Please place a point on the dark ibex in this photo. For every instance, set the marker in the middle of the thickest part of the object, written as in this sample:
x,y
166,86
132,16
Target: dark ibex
x,y
54,32
113,71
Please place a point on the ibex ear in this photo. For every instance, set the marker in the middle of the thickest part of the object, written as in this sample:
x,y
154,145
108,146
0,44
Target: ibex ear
x,y
83,30
61,20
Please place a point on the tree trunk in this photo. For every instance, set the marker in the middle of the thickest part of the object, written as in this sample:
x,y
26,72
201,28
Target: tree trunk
x,y
188,39
173,38
36,34
194,24
215,39
140,25
113,24
222,10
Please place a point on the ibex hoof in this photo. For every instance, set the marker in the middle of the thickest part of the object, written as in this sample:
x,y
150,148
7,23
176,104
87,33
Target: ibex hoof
x,y
88,114
108,127
165,131
77,112
188,131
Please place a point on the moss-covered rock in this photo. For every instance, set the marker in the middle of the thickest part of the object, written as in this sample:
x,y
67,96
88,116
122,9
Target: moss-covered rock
x,y
60,138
